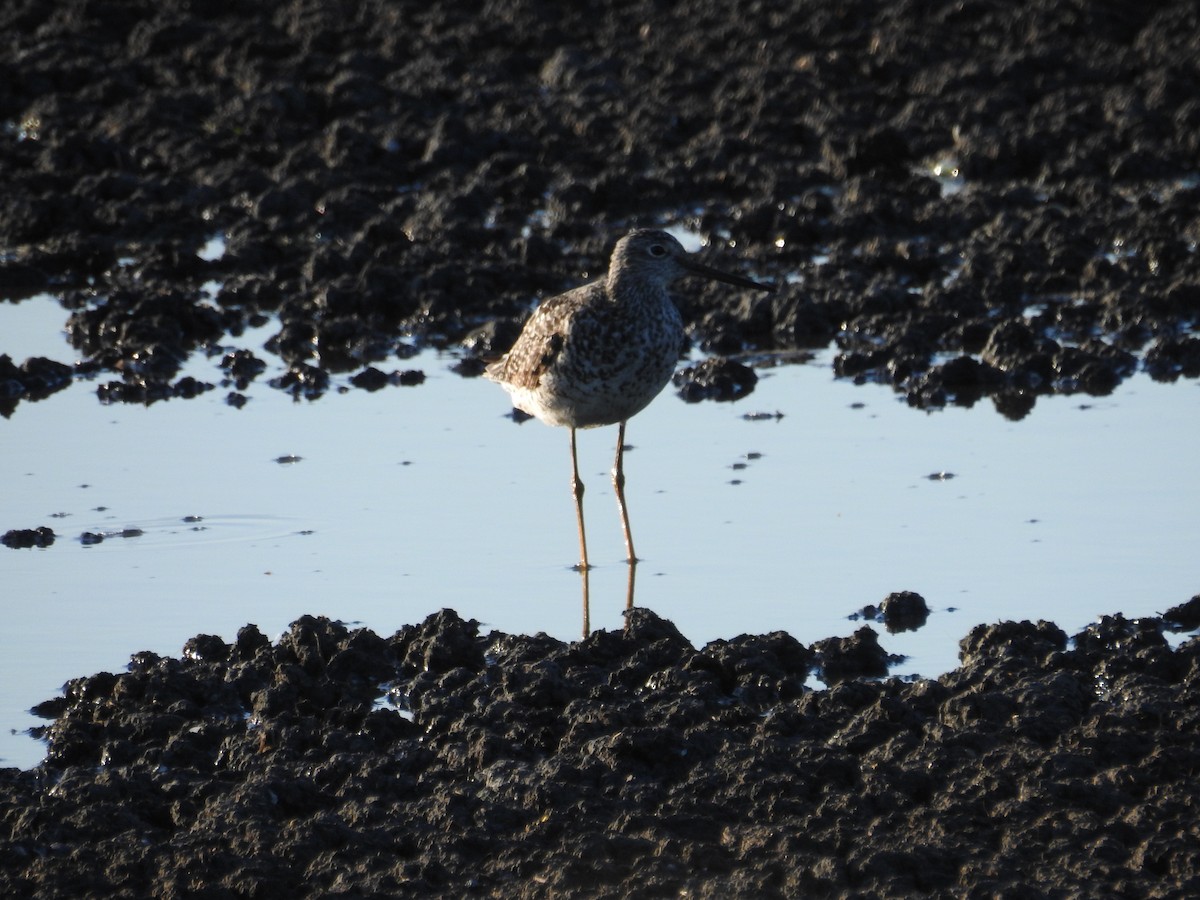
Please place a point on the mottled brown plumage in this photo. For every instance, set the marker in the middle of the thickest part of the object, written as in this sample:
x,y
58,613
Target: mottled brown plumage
x,y
599,354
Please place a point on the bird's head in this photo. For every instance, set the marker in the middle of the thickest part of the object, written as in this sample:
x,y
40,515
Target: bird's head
x,y
657,257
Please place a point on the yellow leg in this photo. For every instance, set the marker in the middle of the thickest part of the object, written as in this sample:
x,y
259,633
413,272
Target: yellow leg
x,y
618,476
577,491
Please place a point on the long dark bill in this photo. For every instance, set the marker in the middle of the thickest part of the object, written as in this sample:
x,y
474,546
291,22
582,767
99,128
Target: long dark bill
x,y
717,275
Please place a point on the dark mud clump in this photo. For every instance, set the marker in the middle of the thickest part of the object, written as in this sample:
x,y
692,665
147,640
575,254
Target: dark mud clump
x,y
969,200
26,538
35,379
715,379
856,656
1185,616
900,610
445,762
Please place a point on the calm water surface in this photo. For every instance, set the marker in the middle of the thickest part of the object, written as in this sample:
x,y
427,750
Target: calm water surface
x,y
408,500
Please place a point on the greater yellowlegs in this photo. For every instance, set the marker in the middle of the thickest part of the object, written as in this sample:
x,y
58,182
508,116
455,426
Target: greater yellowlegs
x,y
599,353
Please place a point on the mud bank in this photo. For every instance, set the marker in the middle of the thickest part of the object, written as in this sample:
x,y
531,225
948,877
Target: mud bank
x,y
446,762
971,200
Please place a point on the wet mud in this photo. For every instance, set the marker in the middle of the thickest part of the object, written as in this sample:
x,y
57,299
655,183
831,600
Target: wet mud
x,y
446,762
968,200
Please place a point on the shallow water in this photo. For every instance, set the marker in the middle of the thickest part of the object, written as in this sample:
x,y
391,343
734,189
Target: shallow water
x,y
412,499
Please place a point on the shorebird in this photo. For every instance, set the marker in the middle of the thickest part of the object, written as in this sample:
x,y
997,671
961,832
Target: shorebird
x,y
598,354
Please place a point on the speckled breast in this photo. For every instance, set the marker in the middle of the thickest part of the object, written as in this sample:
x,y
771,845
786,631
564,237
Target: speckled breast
x,y
612,366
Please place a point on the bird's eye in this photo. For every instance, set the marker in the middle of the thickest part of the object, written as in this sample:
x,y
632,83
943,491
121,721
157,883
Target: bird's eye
x,y
658,250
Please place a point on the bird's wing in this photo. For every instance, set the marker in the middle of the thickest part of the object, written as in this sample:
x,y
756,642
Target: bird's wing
x,y
541,340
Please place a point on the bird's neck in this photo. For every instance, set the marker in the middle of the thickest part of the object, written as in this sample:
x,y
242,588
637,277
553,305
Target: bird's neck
x,y
625,288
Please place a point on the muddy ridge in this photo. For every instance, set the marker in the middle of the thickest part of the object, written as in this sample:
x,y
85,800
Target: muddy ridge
x,y
969,200
445,762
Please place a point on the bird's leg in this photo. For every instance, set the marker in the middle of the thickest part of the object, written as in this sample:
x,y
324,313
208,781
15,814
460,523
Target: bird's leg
x,y
577,490
618,476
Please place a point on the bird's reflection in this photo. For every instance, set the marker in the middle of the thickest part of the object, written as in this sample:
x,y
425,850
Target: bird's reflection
x,y
585,586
